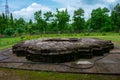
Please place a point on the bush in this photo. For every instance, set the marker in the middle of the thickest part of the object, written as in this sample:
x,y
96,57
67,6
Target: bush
x,y
19,30
9,31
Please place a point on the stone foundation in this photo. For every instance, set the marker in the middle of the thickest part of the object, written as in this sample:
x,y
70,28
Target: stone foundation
x,y
62,50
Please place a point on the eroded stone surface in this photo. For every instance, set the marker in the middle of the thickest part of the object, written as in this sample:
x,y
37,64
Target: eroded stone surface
x,y
62,49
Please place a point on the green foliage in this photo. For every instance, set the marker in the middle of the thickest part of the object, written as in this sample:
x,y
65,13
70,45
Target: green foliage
x,y
48,16
62,17
40,22
59,22
9,31
30,21
79,22
99,19
47,19
11,21
19,30
12,74
115,16
3,23
31,29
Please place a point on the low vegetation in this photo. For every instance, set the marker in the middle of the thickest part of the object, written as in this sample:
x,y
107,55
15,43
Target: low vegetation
x,y
7,42
10,74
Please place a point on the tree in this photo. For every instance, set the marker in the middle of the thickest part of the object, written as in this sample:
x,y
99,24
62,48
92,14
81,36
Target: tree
x,y
115,16
9,31
62,17
1,28
3,23
107,23
31,27
20,26
30,21
11,22
78,20
47,19
40,21
99,19
48,16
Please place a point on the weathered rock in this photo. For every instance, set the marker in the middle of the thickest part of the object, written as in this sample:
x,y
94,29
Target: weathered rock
x,y
62,50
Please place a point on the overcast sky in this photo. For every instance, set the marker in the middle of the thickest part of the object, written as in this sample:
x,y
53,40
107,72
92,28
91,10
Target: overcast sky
x,y
26,8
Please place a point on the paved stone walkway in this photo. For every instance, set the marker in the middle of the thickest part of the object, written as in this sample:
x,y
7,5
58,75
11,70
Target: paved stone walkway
x,y
110,64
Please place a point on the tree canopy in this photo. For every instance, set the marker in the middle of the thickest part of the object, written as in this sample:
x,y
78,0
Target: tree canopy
x,y
101,20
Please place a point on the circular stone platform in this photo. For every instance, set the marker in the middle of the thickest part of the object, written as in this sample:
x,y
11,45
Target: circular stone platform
x,y
59,50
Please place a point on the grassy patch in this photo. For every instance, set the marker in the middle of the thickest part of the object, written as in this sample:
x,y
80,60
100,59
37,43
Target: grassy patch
x,y
10,74
8,42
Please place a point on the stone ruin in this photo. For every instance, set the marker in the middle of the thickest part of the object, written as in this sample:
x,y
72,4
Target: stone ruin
x,y
57,50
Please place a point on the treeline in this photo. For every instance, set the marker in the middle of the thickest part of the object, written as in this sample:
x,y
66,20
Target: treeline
x,y
60,22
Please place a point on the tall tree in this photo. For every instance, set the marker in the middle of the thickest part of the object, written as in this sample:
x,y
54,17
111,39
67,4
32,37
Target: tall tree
x,y
40,21
1,28
30,21
62,17
10,30
31,27
20,26
3,23
78,20
99,18
11,21
115,16
48,16
47,19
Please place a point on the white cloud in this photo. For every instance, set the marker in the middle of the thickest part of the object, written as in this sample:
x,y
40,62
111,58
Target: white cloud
x,y
111,1
62,9
88,9
72,5
29,11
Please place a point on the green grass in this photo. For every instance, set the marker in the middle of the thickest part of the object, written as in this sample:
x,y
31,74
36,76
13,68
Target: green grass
x,y
8,42
10,74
